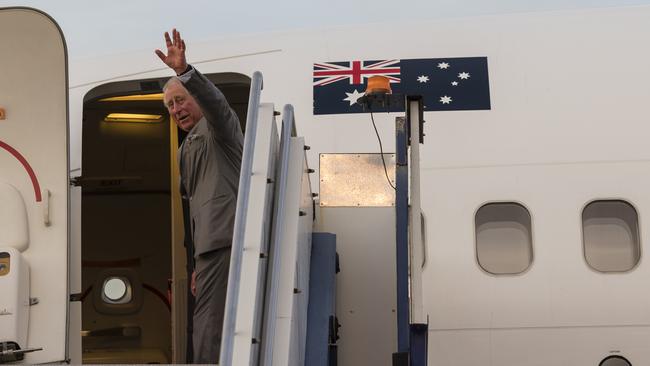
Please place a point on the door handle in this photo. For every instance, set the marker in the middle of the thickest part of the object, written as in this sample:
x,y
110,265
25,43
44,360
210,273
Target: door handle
x,y
423,235
46,207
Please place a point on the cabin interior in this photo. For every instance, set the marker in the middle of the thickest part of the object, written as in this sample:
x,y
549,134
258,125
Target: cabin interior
x,y
134,268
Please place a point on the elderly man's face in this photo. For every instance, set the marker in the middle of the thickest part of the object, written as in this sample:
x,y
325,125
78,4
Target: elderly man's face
x,y
182,106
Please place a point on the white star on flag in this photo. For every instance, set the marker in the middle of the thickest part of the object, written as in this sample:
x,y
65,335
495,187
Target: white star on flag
x,y
354,96
445,99
464,75
454,83
423,78
443,65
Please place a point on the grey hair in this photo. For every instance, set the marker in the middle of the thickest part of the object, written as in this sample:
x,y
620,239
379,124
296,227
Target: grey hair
x,y
172,80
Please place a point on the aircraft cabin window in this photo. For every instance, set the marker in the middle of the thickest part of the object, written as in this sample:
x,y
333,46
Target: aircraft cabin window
x,y
615,361
610,232
504,243
116,290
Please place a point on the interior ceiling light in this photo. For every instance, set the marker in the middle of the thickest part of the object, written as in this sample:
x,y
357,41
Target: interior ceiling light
x,y
134,117
134,98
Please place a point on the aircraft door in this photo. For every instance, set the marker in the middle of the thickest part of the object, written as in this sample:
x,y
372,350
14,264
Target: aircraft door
x,y
34,200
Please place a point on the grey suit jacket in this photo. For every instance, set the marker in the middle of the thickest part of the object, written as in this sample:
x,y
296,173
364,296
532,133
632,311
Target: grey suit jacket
x,y
210,160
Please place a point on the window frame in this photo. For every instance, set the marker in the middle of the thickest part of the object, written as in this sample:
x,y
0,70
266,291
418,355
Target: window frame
x,y
531,235
638,234
618,357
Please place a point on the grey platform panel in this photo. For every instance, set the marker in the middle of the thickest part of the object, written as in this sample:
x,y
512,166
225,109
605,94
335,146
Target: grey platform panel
x,y
321,323
366,285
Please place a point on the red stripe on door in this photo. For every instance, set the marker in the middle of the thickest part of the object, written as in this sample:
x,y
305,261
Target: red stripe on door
x,y
28,168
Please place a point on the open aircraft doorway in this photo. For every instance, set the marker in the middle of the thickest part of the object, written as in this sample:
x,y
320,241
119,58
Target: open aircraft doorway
x,y
136,307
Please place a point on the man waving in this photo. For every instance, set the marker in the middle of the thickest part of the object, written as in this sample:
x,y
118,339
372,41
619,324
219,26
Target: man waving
x,y
209,160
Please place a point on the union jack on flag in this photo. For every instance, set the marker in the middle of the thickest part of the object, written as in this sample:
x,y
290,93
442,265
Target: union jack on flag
x,y
445,84
355,71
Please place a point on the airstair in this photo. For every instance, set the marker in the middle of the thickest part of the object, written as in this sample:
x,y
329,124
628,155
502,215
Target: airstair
x,y
280,307
267,306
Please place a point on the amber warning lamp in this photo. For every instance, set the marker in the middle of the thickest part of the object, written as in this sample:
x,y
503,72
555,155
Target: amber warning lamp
x,y
378,85
379,96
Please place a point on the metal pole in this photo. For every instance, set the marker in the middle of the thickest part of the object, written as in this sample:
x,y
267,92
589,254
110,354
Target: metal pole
x,y
401,210
418,329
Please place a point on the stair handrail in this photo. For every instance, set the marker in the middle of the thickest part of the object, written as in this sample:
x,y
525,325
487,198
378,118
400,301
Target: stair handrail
x,y
234,273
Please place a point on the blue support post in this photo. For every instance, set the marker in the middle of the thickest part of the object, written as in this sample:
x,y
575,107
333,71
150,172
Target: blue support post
x,y
419,344
321,339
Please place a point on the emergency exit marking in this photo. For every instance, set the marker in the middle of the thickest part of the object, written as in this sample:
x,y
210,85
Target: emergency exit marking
x,y
3,114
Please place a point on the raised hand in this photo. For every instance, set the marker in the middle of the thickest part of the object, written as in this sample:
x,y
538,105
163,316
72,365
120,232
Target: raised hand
x,y
175,57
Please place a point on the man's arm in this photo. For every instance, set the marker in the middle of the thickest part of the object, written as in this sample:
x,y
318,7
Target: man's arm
x,y
222,120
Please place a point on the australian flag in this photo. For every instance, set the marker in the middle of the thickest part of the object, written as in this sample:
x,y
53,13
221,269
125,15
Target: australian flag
x,y
446,84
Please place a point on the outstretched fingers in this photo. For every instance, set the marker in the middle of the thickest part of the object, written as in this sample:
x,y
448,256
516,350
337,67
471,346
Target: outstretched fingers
x,y
161,55
177,38
175,55
168,40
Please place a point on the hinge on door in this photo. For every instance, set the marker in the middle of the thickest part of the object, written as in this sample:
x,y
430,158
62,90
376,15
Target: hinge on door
x,y
105,183
76,181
